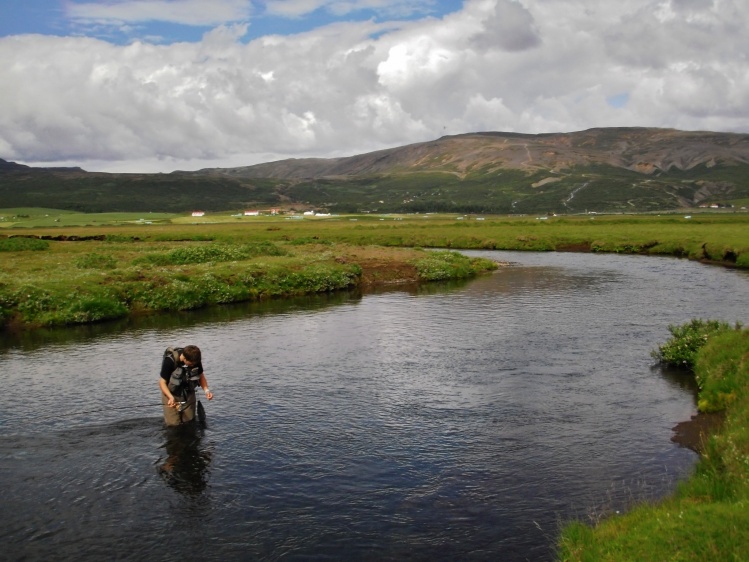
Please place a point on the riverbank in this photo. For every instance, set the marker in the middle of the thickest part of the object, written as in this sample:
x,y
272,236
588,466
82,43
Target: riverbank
x,y
707,518
64,282
78,274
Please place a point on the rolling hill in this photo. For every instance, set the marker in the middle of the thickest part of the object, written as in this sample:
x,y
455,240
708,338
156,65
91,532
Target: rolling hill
x,y
601,170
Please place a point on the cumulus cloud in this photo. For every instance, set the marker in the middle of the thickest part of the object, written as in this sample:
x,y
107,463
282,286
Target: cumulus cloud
x,y
509,26
350,87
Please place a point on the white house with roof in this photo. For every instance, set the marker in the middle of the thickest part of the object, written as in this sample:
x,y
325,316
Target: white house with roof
x,y
198,213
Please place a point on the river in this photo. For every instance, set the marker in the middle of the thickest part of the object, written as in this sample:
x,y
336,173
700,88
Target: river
x,y
459,421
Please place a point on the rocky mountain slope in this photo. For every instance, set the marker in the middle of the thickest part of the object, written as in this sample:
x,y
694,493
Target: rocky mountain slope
x,y
601,170
641,150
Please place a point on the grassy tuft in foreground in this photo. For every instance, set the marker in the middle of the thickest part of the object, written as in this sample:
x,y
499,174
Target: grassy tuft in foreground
x,y
707,519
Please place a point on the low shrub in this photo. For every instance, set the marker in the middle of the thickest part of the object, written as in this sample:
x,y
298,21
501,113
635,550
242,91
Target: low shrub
x,y
210,253
320,278
47,308
442,265
181,237
93,308
681,349
19,244
96,261
309,240
120,238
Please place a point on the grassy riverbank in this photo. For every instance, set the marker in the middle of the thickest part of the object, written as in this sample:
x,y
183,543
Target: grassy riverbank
x,y
719,237
113,266
707,519
60,282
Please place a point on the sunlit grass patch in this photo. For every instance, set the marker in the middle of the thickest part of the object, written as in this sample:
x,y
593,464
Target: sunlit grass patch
x,y
442,265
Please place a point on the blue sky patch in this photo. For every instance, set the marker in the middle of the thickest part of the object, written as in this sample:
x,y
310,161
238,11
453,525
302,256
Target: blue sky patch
x,y
618,101
69,18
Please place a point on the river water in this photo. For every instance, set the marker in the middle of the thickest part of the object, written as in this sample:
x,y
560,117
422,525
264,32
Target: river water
x,y
456,421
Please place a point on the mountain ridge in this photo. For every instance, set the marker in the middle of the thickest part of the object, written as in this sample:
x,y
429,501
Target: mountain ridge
x,y
619,169
640,149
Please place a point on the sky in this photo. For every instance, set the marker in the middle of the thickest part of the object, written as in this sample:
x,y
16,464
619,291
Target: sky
x,y
164,85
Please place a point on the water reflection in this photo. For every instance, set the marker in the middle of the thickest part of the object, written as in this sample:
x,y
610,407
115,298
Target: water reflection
x,y
30,340
680,378
186,468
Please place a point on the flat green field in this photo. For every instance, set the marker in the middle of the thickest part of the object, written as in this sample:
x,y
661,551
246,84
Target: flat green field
x,y
718,237
35,217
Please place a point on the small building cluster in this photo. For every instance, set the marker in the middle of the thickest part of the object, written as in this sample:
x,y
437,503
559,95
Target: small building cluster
x,y
257,213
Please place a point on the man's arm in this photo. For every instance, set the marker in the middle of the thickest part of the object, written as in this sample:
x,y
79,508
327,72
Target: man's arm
x,y
165,391
204,386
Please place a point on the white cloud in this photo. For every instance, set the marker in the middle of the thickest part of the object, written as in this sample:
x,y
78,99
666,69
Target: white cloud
x,y
510,26
512,65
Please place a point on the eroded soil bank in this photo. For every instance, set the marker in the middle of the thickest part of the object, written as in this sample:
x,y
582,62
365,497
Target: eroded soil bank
x,y
694,433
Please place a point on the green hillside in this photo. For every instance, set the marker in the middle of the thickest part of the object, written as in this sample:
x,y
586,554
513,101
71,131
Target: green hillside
x,y
599,170
99,193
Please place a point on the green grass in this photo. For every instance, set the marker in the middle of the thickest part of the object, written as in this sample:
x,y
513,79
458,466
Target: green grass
x,y
719,237
88,273
707,519
41,218
79,276
22,244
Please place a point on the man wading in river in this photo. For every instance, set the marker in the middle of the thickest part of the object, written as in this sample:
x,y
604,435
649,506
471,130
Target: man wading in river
x,y
181,373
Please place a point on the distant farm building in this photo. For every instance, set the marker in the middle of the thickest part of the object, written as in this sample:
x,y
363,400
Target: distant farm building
x,y
251,213
198,213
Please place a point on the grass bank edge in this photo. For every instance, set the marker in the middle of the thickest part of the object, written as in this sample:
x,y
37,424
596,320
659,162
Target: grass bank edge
x,y
707,518
199,276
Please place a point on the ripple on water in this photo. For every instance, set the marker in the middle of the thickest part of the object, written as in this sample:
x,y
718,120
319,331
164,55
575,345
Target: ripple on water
x,y
460,423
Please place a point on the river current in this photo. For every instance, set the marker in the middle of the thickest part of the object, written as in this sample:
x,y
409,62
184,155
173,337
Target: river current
x,y
461,421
